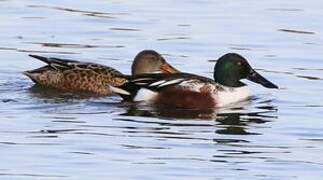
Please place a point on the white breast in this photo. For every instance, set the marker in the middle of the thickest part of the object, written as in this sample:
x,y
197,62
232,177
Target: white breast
x,y
232,95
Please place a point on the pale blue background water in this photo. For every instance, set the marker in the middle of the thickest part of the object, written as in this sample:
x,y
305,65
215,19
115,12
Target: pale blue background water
x,y
49,135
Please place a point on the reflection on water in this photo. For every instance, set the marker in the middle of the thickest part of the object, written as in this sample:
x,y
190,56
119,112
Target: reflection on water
x,y
87,13
56,95
124,29
162,112
231,120
296,31
49,134
309,77
35,51
65,45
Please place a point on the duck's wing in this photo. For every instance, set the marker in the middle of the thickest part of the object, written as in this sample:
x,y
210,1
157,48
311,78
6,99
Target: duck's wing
x,y
59,64
157,82
154,81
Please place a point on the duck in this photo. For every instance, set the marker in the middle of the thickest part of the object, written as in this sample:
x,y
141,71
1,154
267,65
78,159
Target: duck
x,y
190,91
76,76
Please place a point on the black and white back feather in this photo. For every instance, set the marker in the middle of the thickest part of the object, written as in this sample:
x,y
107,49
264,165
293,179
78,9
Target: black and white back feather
x,y
157,82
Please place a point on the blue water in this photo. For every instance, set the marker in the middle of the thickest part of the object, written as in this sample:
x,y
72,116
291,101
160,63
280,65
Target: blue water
x,y
278,134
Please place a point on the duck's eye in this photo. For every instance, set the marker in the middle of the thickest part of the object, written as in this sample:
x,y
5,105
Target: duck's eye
x,y
239,63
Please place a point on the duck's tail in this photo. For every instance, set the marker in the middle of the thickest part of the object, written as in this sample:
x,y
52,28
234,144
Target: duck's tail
x,y
31,75
35,74
56,63
41,58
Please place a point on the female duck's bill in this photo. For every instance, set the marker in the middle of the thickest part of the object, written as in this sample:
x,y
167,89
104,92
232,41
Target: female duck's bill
x,y
69,75
183,90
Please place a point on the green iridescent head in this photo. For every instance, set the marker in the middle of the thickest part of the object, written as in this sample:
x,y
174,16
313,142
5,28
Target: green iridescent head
x,y
231,68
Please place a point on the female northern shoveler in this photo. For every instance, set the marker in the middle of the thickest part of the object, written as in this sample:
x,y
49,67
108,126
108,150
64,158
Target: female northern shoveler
x,y
183,90
89,77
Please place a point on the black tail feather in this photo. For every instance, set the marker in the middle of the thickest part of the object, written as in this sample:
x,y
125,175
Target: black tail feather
x,y
56,63
41,58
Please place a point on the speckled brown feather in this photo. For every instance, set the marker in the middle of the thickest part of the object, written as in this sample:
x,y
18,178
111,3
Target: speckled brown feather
x,y
76,76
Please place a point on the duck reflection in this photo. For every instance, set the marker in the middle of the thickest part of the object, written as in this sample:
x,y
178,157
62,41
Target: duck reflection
x,y
58,96
165,113
231,120
237,123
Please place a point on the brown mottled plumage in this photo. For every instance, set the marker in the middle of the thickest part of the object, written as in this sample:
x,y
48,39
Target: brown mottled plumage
x,y
69,75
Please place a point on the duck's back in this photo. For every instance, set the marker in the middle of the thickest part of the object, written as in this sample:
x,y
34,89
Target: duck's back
x,y
75,76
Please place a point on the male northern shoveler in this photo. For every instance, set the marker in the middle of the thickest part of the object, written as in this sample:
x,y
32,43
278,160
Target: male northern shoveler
x,y
183,90
73,75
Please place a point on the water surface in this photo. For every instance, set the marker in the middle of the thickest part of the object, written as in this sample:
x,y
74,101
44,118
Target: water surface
x,y
47,134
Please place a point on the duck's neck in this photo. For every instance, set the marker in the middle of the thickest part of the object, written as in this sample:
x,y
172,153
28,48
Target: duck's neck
x,y
227,79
